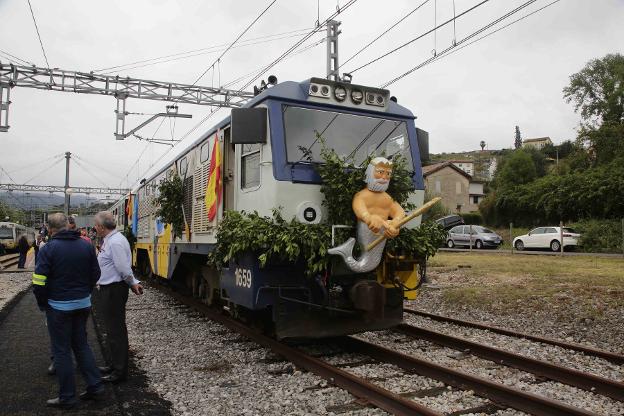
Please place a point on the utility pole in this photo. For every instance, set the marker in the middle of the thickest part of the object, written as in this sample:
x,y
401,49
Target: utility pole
x,y
67,196
332,50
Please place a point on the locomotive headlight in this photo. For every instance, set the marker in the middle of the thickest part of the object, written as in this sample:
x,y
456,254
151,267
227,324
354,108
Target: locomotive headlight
x,y
357,96
309,213
325,90
340,93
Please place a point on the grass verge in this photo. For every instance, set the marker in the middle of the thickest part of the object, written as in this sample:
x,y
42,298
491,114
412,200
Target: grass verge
x,y
505,282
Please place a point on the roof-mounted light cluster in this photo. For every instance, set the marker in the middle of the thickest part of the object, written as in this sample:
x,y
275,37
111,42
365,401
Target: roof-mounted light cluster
x,y
347,94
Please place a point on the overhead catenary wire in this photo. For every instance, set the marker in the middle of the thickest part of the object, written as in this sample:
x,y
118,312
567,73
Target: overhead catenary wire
x,y
157,61
47,168
395,24
32,13
30,164
207,49
495,31
97,165
283,56
8,175
126,176
214,110
258,69
422,35
84,168
454,47
16,59
298,43
234,42
262,71
218,60
144,150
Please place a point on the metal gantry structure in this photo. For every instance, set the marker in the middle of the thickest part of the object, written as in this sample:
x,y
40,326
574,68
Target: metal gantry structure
x,y
122,88
119,87
61,189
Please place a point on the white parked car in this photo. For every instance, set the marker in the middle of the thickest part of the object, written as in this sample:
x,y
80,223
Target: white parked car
x,y
547,237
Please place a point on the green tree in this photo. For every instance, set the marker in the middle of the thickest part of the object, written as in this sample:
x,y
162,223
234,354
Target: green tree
x,y
14,214
598,90
518,140
518,169
598,94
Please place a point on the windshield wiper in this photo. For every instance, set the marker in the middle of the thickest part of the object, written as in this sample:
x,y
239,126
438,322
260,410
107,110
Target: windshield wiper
x,y
319,135
368,136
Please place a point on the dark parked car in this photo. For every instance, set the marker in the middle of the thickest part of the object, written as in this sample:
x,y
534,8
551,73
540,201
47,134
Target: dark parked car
x,y
480,237
450,221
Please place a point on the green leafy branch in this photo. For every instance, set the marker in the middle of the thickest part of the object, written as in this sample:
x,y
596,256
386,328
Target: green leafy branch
x,y
169,202
275,240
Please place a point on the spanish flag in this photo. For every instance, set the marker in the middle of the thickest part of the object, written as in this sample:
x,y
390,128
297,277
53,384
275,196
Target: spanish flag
x,y
214,188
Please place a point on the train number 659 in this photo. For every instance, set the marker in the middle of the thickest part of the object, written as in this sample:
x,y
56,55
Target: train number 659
x,y
243,277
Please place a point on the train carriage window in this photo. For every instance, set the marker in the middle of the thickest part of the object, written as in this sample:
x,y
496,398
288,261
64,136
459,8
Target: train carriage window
x,y
183,165
204,153
250,166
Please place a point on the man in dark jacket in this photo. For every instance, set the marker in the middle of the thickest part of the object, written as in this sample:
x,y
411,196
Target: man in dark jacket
x,y
66,272
23,247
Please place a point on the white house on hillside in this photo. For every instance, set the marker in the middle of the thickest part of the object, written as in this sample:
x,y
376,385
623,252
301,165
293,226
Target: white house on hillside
x,y
465,165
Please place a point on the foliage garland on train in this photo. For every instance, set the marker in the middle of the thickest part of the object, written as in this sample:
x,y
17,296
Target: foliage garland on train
x,y
276,240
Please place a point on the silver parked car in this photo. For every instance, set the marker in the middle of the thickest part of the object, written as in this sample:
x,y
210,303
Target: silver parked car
x,y
481,237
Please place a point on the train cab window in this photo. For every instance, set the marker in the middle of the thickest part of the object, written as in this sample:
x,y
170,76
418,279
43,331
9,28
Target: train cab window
x,y
183,165
6,232
350,135
204,153
250,166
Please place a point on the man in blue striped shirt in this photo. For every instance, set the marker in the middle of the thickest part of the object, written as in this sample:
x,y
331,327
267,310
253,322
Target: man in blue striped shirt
x,y
65,274
117,279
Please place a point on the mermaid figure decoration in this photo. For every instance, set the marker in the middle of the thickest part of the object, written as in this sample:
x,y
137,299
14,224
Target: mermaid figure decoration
x,y
377,214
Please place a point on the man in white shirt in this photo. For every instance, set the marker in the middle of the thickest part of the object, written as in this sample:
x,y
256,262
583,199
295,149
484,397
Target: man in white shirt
x,y
115,260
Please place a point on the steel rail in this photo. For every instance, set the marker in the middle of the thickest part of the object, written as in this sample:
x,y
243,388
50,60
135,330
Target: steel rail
x,y
607,355
590,382
380,397
8,260
499,393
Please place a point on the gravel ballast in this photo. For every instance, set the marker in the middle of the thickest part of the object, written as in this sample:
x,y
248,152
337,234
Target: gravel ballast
x,y
202,367
12,284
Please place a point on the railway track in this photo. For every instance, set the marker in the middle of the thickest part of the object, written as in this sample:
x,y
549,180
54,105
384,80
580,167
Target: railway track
x,y
607,355
494,396
9,260
586,381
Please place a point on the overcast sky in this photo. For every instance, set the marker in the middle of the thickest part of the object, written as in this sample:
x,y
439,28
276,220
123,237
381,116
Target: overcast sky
x,y
513,77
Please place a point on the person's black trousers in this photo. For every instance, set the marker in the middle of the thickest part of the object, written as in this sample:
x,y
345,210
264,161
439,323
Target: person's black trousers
x,y
112,308
21,262
68,332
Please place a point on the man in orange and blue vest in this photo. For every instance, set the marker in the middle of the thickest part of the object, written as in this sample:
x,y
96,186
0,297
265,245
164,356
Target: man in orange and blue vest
x,y
65,274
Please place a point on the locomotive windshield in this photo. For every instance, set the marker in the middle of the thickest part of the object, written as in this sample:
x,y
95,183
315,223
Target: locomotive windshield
x,y
350,135
6,232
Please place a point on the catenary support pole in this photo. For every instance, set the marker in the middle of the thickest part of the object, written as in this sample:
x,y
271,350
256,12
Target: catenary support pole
x,y
332,50
67,196
511,236
561,237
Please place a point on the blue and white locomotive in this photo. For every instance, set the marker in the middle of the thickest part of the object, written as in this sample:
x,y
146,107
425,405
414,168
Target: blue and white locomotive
x,y
264,166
